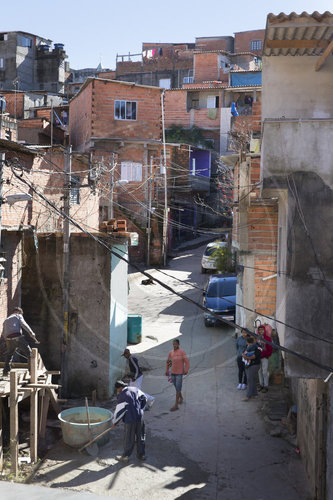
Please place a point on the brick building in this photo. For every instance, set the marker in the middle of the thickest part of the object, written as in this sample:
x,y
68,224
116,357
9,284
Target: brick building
x,y
250,41
121,124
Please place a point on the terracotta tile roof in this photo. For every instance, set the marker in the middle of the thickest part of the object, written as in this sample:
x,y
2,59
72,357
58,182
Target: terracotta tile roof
x,y
298,34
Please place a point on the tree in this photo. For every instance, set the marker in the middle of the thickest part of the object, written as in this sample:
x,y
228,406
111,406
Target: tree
x,y
224,260
193,136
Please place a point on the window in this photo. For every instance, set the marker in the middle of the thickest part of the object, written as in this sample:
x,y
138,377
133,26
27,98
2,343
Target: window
x,y
2,62
255,45
125,110
75,190
131,171
212,101
165,83
188,79
23,41
3,37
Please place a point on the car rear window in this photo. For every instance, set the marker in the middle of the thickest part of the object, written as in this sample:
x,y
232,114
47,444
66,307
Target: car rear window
x,y
221,288
210,250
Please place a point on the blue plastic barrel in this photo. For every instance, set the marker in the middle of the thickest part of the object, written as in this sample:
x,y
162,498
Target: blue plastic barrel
x,y
134,328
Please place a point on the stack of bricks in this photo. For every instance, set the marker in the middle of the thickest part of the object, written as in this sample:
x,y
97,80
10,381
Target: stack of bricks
x,y
121,225
114,225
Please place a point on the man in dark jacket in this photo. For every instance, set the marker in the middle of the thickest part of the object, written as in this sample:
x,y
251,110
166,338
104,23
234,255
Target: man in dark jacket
x,y
135,371
14,337
130,404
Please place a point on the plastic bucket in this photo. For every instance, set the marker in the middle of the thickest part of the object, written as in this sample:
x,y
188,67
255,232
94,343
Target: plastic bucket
x,y
74,425
134,328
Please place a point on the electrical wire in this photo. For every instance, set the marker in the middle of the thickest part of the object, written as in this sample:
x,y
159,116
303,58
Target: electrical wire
x,y
167,287
251,310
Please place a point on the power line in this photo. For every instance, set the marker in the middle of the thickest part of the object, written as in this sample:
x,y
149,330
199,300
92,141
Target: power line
x,y
251,310
167,287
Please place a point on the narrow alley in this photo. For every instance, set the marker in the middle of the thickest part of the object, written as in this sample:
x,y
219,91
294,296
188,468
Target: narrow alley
x,y
216,445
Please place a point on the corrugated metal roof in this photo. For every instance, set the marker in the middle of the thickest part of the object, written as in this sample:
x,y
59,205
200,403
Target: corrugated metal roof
x,y
298,34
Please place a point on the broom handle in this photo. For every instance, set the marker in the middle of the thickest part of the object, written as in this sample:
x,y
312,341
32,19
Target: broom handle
x,y
88,416
96,437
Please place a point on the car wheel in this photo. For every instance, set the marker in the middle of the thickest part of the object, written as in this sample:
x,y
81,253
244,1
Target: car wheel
x,y
203,270
207,323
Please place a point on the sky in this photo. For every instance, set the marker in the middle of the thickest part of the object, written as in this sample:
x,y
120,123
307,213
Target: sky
x,y
95,31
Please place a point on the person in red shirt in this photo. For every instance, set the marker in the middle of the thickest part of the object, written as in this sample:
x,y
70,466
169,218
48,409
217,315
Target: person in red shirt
x,y
266,352
180,365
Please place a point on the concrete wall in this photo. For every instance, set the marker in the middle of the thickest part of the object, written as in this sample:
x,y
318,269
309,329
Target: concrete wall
x,y
329,463
293,89
296,157
95,305
297,145
88,356
312,433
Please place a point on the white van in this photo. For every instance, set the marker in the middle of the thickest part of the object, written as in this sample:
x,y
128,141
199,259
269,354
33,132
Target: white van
x,y
208,261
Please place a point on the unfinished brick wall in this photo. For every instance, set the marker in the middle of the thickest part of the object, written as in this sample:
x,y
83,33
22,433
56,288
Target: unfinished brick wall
x,y
256,116
111,75
46,174
10,289
14,103
103,123
80,118
214,43
262,241
243,41
175,104
206,67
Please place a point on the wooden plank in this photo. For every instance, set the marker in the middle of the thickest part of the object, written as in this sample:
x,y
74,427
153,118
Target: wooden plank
x,y
13,422
54,400
43,386
1,437
296,44
324,56
44,412
33,408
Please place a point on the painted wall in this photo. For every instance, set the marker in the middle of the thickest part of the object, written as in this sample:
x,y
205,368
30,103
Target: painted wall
x,y
118,314
202,163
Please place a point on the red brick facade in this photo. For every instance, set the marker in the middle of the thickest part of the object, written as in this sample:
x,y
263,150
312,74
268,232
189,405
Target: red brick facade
x,y
244,38
255,229
206,67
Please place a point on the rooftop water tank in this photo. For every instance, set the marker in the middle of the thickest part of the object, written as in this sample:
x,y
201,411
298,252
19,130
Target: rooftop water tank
x,y
59,46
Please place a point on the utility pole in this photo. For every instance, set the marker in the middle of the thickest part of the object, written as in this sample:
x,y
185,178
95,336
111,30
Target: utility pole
x,y
66,272
51,122
165,216
2,166
149,209
111,185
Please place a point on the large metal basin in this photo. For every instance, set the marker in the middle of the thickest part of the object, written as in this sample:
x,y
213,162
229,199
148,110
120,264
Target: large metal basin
x,y
74,425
